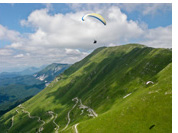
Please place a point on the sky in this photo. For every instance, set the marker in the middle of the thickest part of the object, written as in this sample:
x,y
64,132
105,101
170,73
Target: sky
x,y
38,34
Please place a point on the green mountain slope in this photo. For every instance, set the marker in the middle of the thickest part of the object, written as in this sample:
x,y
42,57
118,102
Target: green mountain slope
x,y
17,89
121,89
51,71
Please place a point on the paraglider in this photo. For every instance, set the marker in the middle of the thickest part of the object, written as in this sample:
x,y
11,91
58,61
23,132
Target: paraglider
x,y
97,16
95,41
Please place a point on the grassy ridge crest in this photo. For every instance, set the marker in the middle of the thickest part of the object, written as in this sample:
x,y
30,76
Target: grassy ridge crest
x,y
102,80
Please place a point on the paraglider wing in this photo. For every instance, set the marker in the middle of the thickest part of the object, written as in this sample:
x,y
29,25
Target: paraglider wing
x,y
95,15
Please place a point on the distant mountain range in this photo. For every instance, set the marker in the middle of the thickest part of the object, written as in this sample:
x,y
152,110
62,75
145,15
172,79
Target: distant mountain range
x,y
28,71
19,86
51,71
124,89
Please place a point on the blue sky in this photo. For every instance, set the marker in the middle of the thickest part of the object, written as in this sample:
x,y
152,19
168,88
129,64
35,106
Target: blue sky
x,y
11,14
37,34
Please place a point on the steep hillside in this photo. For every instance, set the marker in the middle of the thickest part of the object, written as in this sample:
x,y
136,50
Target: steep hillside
x,y
122,89
16,89
51,71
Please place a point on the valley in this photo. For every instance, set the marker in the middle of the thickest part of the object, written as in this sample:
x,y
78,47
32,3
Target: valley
x,y
107,91
16,88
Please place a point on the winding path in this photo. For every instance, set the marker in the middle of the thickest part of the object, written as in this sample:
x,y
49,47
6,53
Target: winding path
x,y
12,119
57,126
82,107
33,117
43,122
76,131
52,116
17,111
68,115
91,111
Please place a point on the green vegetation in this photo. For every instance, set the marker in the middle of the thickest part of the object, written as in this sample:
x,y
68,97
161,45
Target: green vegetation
x,y
15,89
52,70
102,81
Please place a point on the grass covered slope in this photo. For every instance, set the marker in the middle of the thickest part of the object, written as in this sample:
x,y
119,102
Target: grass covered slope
x,y
15,88
111,84
143,109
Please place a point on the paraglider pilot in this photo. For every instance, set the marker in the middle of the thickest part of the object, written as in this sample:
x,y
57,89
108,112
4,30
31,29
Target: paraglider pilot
x,y
96,16
95,41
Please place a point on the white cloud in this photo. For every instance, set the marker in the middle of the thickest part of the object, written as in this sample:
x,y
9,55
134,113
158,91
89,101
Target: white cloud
x,y
6,34
146,8
72,51
142,8
19,56
49,6
65,38
68,31
15,45
27,54
5,52
158,37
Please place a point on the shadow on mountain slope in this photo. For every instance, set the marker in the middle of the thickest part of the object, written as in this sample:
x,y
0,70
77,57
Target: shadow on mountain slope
x,y
95,85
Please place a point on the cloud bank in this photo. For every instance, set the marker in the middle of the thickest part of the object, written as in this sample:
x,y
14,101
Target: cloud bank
x,y
65,38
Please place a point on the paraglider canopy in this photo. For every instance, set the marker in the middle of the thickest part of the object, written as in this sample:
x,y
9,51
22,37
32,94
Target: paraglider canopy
x,y
95,15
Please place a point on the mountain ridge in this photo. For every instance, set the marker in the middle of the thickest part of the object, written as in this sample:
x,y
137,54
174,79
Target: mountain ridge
x,y
15,90
27,71
108,80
